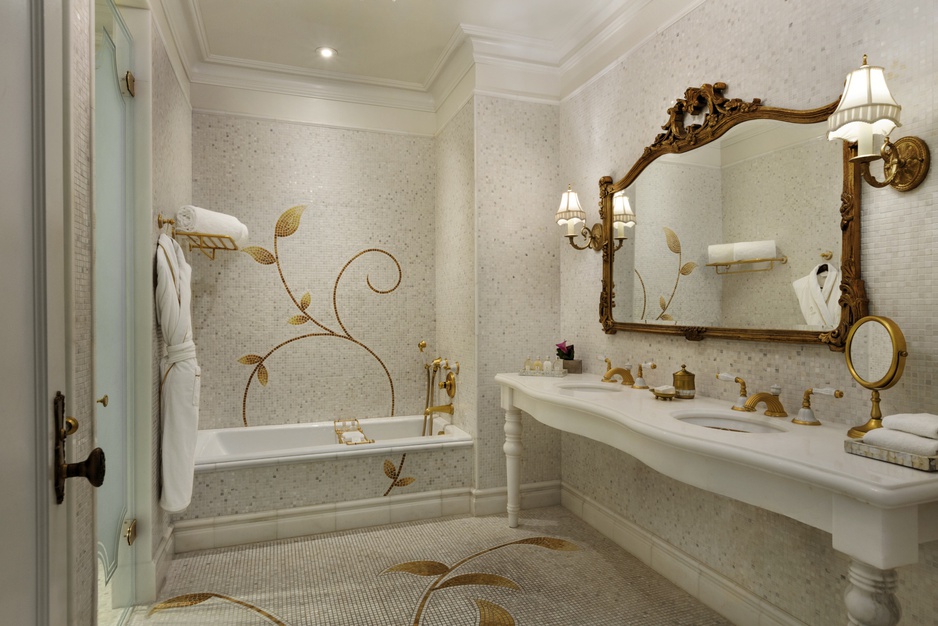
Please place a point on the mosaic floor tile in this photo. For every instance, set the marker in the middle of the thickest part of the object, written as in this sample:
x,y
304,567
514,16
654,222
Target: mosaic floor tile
x,y
462,570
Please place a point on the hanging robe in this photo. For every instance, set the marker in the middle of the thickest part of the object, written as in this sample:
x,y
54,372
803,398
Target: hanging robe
x,y
818,295
180,375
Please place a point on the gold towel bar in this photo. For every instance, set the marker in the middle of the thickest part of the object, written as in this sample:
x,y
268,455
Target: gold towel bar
x,y
726,266
206,243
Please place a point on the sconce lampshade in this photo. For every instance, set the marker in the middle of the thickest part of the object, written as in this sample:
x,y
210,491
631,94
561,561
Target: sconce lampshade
x,y
866,108
570,211
622,211
622,214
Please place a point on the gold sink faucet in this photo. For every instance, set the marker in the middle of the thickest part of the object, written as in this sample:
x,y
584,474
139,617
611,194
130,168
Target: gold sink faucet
x,y
622,372
773,406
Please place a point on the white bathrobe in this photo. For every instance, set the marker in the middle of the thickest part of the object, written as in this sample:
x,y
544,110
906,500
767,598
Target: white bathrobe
x,y
179,375
818,294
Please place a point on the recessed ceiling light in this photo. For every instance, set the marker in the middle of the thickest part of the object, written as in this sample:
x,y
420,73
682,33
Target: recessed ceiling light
x,y
326,52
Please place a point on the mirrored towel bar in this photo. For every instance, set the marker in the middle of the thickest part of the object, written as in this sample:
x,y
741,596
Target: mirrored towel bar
x,y
745,267
206,243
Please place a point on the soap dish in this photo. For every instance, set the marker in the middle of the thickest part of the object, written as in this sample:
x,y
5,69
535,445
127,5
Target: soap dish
x,y
664,396
906,459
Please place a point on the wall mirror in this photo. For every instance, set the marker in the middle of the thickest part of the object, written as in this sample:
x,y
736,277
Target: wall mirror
x,y
727,172
875,352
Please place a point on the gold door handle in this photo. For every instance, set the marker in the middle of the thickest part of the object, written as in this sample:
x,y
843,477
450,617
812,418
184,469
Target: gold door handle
x,y
102,400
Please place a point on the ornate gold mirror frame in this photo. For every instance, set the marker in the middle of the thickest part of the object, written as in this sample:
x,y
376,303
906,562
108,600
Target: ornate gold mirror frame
x,y
720,115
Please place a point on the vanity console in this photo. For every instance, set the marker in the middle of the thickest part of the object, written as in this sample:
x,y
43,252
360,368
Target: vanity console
x,y
876,513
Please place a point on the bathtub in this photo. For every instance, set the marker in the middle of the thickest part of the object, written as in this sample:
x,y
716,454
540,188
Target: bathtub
x,y
259,446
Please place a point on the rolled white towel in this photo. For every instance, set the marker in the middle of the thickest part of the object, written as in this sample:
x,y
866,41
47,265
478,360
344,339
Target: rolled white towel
x,y
720,253
921,424
193,219
902,442
748,250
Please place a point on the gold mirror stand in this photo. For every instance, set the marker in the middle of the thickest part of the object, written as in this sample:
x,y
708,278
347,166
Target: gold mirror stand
x,y
892,376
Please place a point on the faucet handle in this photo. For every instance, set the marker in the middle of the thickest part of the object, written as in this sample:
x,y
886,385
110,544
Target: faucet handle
x,y
806,413
824,391
740,404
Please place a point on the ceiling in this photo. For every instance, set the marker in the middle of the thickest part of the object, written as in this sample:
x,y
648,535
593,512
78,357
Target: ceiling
x,y
406,53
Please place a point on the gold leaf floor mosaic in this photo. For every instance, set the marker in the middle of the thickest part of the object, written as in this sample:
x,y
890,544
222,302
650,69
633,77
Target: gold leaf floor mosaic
x,y
455,571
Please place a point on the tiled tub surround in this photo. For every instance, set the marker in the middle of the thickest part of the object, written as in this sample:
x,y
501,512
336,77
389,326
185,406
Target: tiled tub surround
x,y
878,514
815,44
362,191
290,494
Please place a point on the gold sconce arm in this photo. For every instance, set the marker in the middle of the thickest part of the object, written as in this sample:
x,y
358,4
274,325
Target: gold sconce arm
x,y
905,164
594,237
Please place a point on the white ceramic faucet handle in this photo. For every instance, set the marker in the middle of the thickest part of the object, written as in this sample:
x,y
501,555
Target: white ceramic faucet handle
x,y
727,377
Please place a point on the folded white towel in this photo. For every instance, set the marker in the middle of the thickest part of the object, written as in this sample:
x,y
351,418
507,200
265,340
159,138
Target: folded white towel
x,y
921,424
748,250
193,219
903,442
720,253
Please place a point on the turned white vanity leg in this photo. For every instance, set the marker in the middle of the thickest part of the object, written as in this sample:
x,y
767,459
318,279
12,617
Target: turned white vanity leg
x,y
871,596
513,463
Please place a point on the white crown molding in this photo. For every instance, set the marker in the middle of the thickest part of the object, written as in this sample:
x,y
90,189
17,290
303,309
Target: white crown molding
x,y
475,60
309,86
619,36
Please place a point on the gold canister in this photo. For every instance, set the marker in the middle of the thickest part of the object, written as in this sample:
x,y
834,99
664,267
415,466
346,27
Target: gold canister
x,y
684,383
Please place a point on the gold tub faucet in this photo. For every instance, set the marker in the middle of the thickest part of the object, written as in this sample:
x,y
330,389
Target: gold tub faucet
x,y
428,417
622,372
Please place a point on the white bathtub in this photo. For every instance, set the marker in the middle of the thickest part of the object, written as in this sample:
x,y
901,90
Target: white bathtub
x,y
255,446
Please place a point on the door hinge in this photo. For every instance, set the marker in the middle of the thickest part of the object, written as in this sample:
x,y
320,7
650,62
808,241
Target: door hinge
x,y
130,532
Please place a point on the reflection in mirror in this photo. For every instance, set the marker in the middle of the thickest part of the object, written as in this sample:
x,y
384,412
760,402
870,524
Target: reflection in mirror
x,y
875,353
763,180
871,352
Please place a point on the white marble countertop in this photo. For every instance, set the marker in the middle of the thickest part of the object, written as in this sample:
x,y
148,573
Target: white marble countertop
x,y
802,472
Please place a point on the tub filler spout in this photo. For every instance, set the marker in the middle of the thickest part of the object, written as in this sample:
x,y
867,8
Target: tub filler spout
x,y
428,417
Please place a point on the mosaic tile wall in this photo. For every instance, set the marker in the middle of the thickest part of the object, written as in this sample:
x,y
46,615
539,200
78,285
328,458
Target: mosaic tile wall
x,y
81,404
675,196
258,489
364,190
518,184
775,57
790,190
172,187
455,260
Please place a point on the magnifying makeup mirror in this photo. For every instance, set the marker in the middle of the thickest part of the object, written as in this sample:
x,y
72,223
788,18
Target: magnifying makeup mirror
x,y
876,353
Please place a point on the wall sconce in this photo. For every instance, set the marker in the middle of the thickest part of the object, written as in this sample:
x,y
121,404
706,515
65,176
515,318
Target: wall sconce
x,y
570,214
867,108
622,217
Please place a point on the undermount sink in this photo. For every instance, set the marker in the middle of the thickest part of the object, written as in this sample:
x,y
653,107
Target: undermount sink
x,y
725,421
591,387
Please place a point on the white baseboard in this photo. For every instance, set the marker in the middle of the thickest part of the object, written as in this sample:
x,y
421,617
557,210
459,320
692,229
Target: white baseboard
x,y
533,496
150,574
721,594
234,530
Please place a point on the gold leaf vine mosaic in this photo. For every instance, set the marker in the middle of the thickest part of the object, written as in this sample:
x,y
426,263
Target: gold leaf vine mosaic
x,y
395,474
674,245
192,599
490,614
287,224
